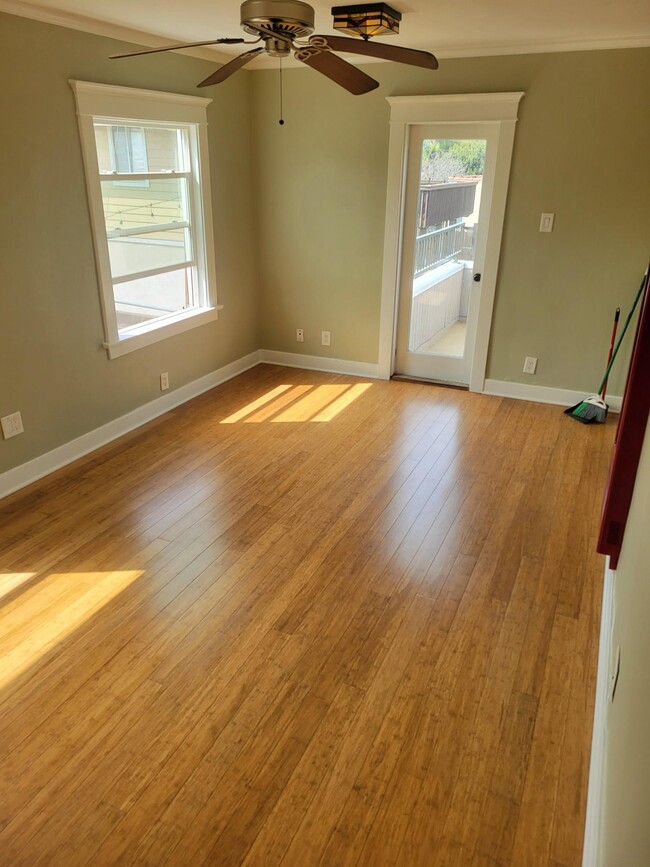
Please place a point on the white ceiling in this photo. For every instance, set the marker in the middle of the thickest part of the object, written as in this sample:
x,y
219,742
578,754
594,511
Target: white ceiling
x,y
449,28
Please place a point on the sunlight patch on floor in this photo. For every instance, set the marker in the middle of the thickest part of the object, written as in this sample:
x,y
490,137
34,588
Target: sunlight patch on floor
x,y
46,614
10,581
305,409
342,402
299,403
256,404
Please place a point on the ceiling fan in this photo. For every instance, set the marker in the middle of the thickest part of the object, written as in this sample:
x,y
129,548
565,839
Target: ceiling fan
x,y
285,27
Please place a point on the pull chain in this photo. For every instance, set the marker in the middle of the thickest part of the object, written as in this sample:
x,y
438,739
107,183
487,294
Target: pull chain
x,y
281,121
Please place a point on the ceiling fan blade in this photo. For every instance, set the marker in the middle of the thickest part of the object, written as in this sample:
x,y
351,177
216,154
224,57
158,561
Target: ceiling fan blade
x,y
227,69
339,70
382,50
227,41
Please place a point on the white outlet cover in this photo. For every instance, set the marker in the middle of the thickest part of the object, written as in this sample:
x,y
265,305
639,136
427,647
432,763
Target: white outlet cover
x,y
325,338
12,425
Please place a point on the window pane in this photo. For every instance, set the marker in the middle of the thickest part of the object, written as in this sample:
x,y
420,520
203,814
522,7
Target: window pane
x,y
149,298
162,202
130,148
136,253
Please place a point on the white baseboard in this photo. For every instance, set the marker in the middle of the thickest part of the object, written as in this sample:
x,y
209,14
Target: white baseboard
x,y
543,393
19,477
317,362
590,851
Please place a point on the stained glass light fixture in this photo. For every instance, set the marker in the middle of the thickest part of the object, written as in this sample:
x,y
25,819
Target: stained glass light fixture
x,y
367,19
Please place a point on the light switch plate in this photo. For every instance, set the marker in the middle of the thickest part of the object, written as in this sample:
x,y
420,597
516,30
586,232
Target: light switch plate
x,y
546,222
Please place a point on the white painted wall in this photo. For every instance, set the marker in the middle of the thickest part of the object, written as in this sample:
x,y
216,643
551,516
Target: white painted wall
x,y
436,302
625,825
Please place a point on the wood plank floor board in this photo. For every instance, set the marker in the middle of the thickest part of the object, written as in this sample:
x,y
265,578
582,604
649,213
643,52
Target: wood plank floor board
x,y
539,799
101,640
228,721
305,619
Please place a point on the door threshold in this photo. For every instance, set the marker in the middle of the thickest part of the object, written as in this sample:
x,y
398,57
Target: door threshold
x,y
403,377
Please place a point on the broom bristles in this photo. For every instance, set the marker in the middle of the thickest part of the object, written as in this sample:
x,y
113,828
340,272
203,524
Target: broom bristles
x,y
592,410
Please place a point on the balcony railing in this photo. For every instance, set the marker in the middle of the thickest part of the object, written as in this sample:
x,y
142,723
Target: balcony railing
x,y
442,245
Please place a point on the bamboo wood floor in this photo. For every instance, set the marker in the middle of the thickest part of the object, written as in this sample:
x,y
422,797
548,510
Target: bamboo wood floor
x,y
306,619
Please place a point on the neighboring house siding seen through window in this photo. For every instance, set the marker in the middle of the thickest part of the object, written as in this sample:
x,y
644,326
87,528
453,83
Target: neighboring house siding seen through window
x,y
147,176
129,149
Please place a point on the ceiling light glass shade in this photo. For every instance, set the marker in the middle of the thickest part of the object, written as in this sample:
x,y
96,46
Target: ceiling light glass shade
x,y
366,20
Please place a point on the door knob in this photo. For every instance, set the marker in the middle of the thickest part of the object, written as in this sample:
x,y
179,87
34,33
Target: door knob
x,y
477,278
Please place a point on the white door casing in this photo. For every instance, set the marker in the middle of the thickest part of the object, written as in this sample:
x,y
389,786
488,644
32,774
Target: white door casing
x,y
427,365
498,111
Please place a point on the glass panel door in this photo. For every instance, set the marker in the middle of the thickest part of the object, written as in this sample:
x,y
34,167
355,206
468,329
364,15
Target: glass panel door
x,y
444,203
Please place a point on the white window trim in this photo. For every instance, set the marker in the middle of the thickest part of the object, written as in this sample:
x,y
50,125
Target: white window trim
x,y
131,104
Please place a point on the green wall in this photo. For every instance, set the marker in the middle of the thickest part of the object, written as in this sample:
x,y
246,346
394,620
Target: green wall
x,y
580,152
52,367
299,221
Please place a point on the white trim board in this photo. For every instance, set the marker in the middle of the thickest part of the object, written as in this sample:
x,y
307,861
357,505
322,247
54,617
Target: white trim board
x,y
319,362
496,114
590,851
27,473
543,393
94,26
87,24
19,477
601,43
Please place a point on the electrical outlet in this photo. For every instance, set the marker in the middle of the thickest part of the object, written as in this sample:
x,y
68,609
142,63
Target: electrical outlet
x,y
12,425
530,364
300,335
325,338
164,381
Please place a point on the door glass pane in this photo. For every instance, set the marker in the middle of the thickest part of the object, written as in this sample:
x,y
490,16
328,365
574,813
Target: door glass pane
x,y
451,178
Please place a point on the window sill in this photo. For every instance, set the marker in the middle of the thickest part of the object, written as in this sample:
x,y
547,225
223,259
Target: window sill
x,y
154,333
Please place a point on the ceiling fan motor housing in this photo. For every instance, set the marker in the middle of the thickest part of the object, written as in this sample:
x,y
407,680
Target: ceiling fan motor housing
x,y
289,18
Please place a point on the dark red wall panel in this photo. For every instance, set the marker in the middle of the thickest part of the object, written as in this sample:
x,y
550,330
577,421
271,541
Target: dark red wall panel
x,y
629,441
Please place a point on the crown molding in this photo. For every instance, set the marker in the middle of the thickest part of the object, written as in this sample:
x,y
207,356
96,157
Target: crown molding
x,y
105,28
506,48
552,46
147,39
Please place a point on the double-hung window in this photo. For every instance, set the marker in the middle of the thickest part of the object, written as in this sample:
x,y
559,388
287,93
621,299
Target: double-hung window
x,y
146,161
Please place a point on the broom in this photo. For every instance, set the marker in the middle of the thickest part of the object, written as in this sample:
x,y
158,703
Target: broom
x,y
593,410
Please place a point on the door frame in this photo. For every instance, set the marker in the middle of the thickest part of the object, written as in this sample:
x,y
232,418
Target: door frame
x,y
496,109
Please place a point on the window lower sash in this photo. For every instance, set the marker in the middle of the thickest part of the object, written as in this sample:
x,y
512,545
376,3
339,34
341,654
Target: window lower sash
x,y
141,176
146,230
153,272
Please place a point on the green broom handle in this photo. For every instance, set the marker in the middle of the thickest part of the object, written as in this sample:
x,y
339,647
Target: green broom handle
x,y
622,334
